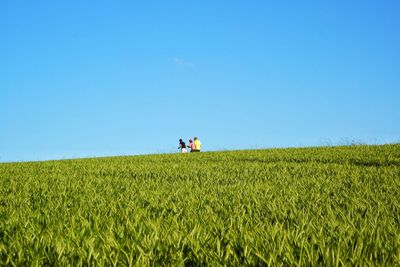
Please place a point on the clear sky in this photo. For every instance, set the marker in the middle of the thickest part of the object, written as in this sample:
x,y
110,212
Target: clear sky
x,y
97,78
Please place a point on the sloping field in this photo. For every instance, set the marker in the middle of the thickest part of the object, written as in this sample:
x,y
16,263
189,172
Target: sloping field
x,y
311,207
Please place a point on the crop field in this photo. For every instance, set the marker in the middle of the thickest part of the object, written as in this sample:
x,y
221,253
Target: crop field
x,y
327,206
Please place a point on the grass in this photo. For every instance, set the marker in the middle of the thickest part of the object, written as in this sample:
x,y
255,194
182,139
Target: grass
x,y
328,206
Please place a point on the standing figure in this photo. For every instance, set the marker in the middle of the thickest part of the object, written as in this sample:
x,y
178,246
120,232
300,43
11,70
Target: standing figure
x,y
192,146
182,146
197,144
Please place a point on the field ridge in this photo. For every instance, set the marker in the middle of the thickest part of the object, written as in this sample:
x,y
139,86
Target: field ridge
x,y
319,206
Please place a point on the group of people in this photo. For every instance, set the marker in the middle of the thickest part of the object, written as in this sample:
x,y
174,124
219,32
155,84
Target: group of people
x,y
195,146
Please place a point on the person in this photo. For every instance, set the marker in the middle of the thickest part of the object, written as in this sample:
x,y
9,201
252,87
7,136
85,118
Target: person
x,y
191,146
182,146
197,144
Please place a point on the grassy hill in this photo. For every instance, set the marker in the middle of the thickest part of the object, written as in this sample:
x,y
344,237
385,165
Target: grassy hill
x,y
323,206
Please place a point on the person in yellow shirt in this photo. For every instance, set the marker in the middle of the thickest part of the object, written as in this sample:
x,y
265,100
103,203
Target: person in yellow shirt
x,y
197,145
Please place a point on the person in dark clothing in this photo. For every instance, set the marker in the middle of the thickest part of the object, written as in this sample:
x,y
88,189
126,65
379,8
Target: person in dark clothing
x,y
182,146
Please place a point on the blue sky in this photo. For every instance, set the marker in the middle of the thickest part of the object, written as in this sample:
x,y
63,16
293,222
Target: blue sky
x,y
96,78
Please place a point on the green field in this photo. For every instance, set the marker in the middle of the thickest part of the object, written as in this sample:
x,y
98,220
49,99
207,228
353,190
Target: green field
x,y
327,206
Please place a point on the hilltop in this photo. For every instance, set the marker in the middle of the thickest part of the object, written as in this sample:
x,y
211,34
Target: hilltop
x,y
309,206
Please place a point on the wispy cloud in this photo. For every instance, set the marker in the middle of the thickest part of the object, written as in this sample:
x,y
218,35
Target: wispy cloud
x,y
183,62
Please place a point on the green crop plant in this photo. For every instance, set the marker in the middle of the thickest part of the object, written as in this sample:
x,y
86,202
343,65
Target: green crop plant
x,y
327,206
